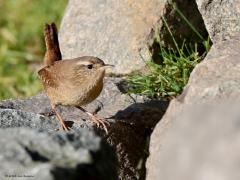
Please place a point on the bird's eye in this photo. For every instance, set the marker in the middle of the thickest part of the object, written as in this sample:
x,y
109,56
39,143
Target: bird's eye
x,y
90,66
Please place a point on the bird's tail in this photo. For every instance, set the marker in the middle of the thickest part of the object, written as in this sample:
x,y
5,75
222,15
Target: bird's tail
x,y
53,52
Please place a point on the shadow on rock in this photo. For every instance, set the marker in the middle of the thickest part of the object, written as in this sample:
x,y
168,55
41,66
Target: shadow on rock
x,y
130,135
132,122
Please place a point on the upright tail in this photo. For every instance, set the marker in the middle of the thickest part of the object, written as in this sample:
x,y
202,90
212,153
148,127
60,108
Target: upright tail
x,y
53,52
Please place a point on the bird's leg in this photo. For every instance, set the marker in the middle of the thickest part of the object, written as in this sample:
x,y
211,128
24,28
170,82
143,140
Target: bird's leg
x,y
96,120
99,107
59,117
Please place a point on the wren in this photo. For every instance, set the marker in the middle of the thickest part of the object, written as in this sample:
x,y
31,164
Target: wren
x,y
71,82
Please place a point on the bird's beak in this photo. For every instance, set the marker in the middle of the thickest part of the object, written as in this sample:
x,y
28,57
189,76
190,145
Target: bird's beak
x,y
108,65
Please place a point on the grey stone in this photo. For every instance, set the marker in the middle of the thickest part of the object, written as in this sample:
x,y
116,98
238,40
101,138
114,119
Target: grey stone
x,y
16,118
222,18
217,78
179,28
123,33
213,81
27,153
202,143
132,120
115,31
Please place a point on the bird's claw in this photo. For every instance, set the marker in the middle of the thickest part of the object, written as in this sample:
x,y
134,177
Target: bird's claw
x,y
48,114
65,128
100,122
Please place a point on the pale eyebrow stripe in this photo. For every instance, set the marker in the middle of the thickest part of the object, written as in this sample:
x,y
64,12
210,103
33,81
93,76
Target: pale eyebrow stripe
x,y
83,63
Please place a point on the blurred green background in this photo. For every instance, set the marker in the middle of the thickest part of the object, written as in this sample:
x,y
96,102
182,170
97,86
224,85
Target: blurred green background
x,y
22,45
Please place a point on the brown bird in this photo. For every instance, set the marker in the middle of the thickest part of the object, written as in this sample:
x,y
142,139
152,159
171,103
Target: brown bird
x,y
74,82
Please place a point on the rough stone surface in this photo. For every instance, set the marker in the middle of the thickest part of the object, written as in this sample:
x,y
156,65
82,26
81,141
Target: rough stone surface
x,y
214,81
115,31
222,18
132,120
123,33
202,143
28,153
180,30
217,78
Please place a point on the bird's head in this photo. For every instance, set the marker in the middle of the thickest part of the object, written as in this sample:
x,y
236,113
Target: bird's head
x,y
89,67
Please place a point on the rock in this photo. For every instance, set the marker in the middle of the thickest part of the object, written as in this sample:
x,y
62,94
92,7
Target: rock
x,y
180,30
222,18
132,121
213,81
202,143
40,155
16,118
121,33
216,79
116,32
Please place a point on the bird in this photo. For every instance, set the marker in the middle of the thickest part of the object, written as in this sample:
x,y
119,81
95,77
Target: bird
x,y
71,82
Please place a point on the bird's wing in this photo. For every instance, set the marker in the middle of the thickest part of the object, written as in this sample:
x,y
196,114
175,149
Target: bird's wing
x,y
48,78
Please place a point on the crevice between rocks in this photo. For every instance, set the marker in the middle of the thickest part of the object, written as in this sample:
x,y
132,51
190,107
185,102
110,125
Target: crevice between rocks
x,y
181,32
36,156
179,28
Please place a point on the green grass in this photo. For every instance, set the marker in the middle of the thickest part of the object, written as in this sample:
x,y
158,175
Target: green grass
x,y
168,78
21,42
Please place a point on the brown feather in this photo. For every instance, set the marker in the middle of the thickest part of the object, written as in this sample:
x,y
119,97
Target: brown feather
x,y
56,42
53,52
47,78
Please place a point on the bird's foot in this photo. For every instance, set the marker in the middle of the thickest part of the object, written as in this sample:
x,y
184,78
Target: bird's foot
x,y
64,127
100,122
48,114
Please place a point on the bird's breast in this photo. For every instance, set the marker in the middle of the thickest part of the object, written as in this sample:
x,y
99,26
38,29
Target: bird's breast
x,y
75,95
89,93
